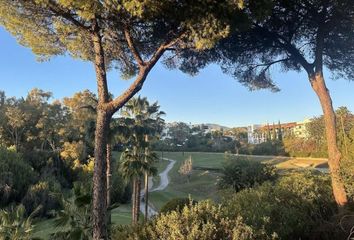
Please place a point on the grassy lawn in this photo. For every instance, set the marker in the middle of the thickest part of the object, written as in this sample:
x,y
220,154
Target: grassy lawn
x,y
203,181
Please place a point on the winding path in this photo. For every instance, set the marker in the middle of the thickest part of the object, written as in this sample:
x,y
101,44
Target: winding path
x,y
164,181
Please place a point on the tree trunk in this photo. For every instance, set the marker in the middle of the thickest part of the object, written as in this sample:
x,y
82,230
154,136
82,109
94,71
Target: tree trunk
x,y
99,177
101,134
137,200
146,178
334,155
109,177
133,201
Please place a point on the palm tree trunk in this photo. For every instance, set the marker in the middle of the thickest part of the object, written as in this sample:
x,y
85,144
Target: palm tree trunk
x,y
109,177
334,155
146,179
133,201
146,195
137,197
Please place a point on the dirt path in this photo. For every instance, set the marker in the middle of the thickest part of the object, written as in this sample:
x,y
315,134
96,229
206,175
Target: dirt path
x,y
164,181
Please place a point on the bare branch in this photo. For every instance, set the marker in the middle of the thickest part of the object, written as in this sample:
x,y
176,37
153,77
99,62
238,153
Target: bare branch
x,y
269,64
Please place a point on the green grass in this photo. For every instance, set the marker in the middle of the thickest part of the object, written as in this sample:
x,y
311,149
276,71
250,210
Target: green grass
x,y
202,183
204,178
122,215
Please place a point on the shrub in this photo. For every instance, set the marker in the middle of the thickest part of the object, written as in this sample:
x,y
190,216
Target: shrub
x,y
14,225
242,173
273,147
15,176
291,208
347,171
176,204
74,221
202,221
44,194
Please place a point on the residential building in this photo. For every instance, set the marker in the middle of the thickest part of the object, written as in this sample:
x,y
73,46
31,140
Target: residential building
x,y
259,133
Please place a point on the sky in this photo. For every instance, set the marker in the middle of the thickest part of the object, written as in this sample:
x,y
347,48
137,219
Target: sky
x,y
209,97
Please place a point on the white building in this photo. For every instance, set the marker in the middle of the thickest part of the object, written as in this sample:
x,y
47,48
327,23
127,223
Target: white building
x,y
259,133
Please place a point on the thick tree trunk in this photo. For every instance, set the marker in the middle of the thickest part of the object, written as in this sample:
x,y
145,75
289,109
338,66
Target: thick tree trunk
x,y
334,155
101,134
146,179
99,177
109,177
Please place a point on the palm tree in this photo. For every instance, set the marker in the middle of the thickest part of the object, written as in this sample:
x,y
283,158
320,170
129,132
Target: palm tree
x,y
149,170
74,221
132,168
14,225
144,121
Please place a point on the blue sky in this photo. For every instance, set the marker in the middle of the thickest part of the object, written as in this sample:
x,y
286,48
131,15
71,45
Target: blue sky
x,y
209,97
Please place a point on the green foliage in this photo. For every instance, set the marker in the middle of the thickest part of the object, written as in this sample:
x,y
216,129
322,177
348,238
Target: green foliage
x,y
14,225
347,172
242,173
176,204
120,192
74,221
291,208
15,176
299,147
271,147
204,221
46,194
181,137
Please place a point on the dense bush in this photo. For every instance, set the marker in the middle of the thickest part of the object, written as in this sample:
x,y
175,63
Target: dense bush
x,y
202,221
347,171
291,208
273,147
44,194
74,221
241,173
300,147
176,204
15,176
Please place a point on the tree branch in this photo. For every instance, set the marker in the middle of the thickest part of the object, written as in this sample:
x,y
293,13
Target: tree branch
x,y
138,83
62,13
287,46
267,65
132,47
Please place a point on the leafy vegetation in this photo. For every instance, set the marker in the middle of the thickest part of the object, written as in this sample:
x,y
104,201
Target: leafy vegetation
x,y
241,173
176,204
15,225
290,209
203,220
